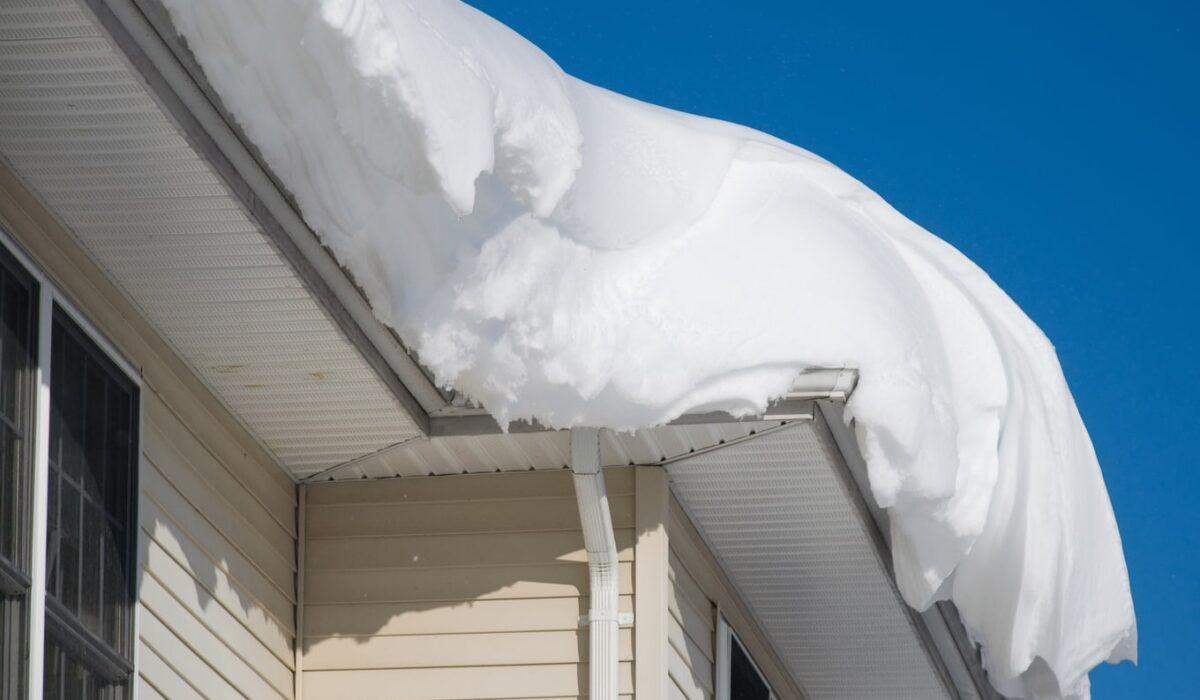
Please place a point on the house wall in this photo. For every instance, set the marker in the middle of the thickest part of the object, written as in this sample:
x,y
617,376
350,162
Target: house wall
x,y
217,541
465,586
454,587
216,595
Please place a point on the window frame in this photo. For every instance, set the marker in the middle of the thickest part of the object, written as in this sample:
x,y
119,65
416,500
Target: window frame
x,y
51,297
725,639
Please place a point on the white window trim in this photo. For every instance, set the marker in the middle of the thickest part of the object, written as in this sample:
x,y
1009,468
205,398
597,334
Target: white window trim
x,y
49,297
726,638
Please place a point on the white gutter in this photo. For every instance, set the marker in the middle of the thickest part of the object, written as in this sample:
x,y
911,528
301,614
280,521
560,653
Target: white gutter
x,y
834,383
603,617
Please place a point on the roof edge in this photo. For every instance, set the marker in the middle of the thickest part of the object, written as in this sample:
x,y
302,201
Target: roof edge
x,y
834,383
940,627
142,31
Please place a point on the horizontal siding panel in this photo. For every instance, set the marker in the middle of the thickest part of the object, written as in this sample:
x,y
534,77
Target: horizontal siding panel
x,y
145,691
684,642
238,621
460,487
196,544
690,653
568,680
243,626
674,692
517,515
214,651
687,588
245,524
470,616
446,650
236,618
455,550
686,678
690,634
697,625
554,580
186,662
180,564
158,676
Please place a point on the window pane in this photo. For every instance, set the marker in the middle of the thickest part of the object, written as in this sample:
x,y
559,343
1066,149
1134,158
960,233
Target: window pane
x,y
114,619
95,429
13,479
68,678
53,540
89,553
68,545
744,681
95,527
68,411
120,431
14,653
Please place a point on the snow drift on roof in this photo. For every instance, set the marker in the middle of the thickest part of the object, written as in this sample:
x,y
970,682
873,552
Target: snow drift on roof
x,y
560,252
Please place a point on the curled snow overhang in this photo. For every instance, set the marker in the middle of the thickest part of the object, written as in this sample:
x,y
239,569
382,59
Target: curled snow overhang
x,y
569,256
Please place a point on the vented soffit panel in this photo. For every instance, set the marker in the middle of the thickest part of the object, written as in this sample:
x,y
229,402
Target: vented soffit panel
x,y
784,524
80,126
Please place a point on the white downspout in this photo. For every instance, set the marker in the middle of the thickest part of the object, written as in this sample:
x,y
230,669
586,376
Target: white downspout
x,y
603,618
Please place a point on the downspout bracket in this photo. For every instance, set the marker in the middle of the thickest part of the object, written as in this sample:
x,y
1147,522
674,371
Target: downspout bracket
x,y
624,619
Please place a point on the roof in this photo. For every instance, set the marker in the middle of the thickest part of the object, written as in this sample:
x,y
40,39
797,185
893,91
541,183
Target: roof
x,y
104,115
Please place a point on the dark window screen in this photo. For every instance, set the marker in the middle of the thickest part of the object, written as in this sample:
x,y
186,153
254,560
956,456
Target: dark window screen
x,y
18,360
744,681
91,527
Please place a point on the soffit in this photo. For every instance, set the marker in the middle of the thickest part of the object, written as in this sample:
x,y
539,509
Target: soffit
x,y
783,522
81,128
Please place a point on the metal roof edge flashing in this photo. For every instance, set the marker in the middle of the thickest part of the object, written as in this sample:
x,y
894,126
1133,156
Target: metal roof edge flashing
x,y
141,30
836,383
831,383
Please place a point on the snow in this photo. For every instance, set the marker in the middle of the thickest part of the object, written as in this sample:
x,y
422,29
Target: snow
x,y
560,252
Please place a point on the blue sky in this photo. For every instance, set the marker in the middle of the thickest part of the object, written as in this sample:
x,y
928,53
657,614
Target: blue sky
x,y
1056,144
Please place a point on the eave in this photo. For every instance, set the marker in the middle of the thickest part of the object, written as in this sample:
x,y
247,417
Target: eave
x,y
448,436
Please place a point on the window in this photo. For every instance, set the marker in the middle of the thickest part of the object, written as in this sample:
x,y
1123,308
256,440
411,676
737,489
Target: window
x,y
89,532
69,422
738,678
18,362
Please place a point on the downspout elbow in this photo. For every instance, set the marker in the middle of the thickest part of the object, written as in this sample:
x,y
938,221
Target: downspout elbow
x,y
603,574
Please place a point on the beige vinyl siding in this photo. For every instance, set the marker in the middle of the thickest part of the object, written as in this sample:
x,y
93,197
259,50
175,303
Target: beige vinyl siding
x,y
217,537
193,611
217,552
690,634
454,587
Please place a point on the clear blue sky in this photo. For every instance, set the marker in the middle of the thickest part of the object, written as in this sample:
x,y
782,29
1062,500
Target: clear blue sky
x,y
1057,144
